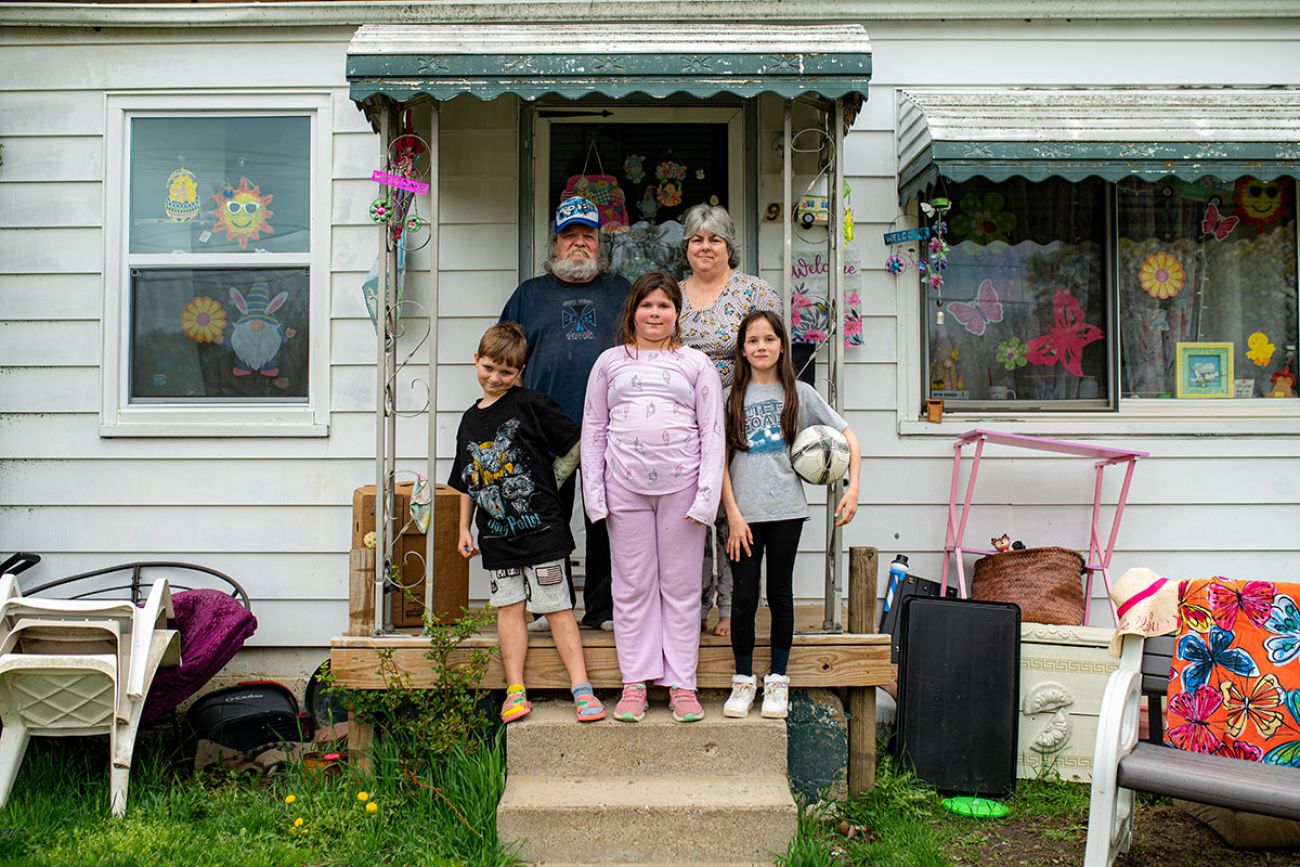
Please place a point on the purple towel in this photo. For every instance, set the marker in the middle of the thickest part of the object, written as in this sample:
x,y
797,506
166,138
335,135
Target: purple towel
x,y
213,627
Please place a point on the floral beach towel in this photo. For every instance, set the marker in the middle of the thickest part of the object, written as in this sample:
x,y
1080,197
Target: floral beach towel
x,y
1234,687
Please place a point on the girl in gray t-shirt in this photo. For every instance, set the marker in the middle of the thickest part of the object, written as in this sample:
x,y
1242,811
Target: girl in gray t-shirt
x,y
764,499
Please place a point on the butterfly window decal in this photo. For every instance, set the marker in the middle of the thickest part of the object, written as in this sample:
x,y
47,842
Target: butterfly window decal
x,y
1218,226
1069,334
976,314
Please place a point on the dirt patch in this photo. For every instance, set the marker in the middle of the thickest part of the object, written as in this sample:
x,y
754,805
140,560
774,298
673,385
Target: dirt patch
x,y
1164,836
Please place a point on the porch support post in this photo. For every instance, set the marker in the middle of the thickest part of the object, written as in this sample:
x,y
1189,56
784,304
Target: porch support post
x,y
787,214
430,561
863,577
383,486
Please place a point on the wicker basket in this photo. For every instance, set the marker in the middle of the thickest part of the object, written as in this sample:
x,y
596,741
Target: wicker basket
x,y
1044,582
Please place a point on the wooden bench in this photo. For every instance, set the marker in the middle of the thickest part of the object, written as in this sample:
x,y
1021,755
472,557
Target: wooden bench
x,y
1124,765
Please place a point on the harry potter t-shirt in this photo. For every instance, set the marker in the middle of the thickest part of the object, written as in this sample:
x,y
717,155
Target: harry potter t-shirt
x,y
504,461
762,479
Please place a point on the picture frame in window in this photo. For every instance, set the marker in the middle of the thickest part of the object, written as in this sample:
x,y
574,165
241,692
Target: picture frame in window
x,y
1204,370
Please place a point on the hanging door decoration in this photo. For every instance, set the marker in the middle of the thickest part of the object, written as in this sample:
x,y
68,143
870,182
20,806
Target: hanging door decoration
x,y
810,315
601,190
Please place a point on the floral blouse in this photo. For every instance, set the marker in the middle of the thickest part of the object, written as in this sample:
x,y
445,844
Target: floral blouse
x,y
713,330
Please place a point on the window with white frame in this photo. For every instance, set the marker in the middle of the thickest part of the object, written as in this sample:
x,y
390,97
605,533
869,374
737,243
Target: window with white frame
x,y
1191,286
213,315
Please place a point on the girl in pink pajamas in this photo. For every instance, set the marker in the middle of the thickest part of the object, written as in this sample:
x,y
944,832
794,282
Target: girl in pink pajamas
x,y
653,447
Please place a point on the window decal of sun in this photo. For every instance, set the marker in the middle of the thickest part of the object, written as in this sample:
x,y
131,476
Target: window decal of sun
x,y
242,213
1262,203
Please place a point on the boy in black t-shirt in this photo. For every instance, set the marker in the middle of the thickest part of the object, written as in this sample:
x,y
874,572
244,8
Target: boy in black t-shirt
x,y
506,465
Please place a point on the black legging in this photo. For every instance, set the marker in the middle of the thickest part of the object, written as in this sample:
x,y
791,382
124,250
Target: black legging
x,y
780,540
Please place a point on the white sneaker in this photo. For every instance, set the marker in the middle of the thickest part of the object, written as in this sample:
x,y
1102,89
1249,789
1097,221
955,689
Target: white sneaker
x,y
741,699
776,696
539,624
607,625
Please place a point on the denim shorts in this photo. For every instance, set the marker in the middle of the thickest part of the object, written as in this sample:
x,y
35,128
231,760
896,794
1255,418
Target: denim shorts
x,y
542,586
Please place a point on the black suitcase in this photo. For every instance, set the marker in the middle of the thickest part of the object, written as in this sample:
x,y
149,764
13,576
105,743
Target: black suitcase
x,y
248,715
959,694
912,586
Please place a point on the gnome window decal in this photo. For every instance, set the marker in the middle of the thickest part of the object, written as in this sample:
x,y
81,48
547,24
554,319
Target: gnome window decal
x,y
258,336
242,213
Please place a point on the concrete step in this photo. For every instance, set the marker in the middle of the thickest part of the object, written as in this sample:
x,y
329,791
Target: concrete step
x,y
551,741
662,819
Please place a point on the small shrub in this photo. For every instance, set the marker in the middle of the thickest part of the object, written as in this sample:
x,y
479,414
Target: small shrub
x,y
447,716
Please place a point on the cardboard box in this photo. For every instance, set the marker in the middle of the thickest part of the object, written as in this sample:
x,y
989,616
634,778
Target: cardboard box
x,y
451,588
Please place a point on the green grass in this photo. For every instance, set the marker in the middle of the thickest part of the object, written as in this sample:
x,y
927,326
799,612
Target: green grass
x,y
58,813
902,822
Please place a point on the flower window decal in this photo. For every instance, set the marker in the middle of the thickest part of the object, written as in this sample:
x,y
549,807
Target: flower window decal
x,y
982,219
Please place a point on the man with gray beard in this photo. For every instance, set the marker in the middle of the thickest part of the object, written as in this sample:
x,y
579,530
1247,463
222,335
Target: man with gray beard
x,y
570,315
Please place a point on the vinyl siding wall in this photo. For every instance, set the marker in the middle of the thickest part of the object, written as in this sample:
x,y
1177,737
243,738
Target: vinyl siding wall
x,y
275,512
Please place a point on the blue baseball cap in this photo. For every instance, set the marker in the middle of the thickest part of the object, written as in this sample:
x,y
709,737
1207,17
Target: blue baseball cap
x,y
576,211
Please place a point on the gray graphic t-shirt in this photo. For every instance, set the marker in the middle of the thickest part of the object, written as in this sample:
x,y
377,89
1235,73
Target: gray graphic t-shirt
x,y
764,483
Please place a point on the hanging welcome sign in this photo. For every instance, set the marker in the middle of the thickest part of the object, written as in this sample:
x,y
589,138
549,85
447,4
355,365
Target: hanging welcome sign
x,y
410,185
810,316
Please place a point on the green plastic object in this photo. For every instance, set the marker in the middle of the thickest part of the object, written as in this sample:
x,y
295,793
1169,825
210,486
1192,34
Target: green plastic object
x,y
979,808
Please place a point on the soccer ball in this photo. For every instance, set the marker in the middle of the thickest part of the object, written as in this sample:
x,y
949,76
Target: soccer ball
x,y
820,455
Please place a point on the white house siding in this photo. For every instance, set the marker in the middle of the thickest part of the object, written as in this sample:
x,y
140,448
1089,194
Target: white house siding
x,y
275,512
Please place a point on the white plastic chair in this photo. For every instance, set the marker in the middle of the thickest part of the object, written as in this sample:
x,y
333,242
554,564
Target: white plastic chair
x,y
79,667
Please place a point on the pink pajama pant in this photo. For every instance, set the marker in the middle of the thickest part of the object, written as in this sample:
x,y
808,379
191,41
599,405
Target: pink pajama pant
x,y
655,560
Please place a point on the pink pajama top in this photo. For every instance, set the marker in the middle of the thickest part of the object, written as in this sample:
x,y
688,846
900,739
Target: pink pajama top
x,y
653,423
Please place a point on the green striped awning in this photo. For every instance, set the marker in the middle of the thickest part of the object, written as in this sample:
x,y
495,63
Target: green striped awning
x,y
1107,133
702,60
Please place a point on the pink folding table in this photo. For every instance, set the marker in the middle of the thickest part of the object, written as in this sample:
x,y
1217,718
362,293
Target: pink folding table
x,y
1098,559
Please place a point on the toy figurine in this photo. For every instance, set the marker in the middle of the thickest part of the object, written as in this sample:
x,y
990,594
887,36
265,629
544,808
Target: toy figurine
x,y
1001,543
1283,383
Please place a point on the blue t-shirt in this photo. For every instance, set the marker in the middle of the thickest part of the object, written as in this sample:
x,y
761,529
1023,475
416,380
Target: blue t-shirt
x,y
568,326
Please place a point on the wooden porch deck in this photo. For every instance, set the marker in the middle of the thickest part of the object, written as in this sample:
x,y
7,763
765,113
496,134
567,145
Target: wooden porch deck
x,y
857,660
816,660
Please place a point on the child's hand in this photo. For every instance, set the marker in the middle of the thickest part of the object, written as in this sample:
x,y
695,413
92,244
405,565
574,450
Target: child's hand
x,y
848,507
740,539
466,544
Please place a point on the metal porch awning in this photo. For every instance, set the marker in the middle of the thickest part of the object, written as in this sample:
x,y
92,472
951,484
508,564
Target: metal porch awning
x,y
1107,133
443,61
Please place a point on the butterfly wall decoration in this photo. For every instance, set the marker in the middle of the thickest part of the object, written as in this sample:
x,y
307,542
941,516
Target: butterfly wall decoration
x,y
1069,334
976,314
1218,226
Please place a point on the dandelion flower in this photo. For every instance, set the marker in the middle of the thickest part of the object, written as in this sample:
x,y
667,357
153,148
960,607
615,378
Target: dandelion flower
x,y
289,799
297,823
372,807
363,796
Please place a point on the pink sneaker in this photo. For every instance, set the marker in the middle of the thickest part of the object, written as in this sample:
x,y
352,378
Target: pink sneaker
x,y
686,707
632,705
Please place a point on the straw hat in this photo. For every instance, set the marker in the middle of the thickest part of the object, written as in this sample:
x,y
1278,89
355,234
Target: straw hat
x,y
1145,604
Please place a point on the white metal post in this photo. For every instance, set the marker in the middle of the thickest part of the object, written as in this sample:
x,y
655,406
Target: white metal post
x,y
787,214
381,387
835,354
430,562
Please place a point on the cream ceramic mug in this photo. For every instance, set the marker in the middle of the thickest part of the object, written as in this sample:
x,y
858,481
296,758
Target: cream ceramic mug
x,y
1001,392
